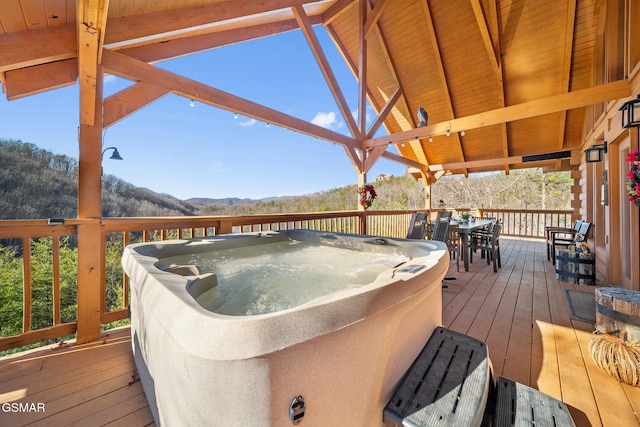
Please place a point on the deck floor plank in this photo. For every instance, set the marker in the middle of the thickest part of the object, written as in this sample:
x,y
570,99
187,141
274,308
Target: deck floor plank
x,y
519,312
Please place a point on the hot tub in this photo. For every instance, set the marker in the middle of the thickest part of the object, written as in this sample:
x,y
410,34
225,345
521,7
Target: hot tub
x,y
325,358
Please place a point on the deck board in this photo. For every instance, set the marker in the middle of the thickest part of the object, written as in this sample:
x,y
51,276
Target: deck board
x,y
519,311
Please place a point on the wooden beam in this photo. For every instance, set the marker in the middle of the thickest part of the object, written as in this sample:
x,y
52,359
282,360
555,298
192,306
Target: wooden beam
x,y
134,70
566,63
40,78
337,9
442,76
325,68
362,70
91,20
411,163
32,80
382,116
129,100
372,19
489,30
174,48
490,44
372,156
476,164
149,26
553,104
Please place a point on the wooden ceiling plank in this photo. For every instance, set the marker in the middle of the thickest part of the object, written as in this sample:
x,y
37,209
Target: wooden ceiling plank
x,y
34,14
56,12
325,68
135,70
129,100
11,17
148,26
553,104
37,47
30,81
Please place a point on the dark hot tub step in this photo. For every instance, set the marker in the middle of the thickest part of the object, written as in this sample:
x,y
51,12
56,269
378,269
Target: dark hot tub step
x,y
447,385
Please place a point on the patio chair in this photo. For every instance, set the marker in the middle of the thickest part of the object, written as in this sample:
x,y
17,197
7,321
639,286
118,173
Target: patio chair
x,y
417,226
562,234
440,230
483,234
443,215
490,243
556,241
453,243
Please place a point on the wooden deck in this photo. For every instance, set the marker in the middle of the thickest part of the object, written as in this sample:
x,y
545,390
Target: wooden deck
x,y
520,313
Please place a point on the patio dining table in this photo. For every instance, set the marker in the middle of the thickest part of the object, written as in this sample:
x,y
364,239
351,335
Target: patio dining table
x,y
464,229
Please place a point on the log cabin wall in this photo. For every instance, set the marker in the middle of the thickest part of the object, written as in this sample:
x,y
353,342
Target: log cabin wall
x,y
603,198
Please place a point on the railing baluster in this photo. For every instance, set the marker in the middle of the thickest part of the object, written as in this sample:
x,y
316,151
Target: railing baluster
x,y
26,286
55,253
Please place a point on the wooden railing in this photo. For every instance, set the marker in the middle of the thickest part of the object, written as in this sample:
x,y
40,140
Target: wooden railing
x,y
21,236
528,223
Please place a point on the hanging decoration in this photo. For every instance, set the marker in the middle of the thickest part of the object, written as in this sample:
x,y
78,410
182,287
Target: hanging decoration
x,y
367,195
633,185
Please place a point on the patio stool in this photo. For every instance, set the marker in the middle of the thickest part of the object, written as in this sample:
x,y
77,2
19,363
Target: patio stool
x,y
447,385
518,405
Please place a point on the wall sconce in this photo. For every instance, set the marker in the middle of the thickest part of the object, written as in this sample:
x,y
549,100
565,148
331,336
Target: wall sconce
x,y
594,154
115,155
631,113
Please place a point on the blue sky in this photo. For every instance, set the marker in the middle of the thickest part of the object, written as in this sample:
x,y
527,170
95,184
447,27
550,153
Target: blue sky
x,y
200,151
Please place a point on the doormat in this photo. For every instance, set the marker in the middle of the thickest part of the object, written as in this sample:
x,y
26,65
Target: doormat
x,y
580,305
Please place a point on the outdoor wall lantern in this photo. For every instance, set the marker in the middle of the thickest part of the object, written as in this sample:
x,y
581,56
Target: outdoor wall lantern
x,y
115,155
594,154
631,113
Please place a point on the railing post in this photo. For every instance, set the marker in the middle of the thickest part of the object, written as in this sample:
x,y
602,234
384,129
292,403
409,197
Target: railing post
x,y
91,251
226,227
90,278
362,222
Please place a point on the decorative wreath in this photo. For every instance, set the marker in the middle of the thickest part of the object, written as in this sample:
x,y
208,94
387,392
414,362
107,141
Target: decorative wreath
x,y
367,195
633,185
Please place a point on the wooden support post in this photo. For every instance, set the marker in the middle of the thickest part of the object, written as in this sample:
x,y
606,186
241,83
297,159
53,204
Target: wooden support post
x,y
91,256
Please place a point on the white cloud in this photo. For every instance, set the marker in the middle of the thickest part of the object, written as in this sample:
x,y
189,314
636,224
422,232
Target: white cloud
x,y
249,122
108,79
216,167
325,120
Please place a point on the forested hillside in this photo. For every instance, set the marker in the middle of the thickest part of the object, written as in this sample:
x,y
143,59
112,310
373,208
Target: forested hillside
x,y
525,189
36,183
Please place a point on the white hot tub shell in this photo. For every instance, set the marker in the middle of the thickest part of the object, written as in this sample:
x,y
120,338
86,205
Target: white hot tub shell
x,y
342,353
